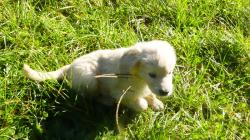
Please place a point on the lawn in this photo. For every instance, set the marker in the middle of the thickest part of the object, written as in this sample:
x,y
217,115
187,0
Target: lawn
x,y
211,80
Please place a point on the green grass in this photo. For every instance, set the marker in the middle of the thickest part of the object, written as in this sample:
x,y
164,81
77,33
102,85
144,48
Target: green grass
x,y
212,78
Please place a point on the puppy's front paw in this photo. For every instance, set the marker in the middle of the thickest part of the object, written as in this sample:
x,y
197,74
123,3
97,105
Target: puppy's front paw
x,y
139,105
157,105
142,105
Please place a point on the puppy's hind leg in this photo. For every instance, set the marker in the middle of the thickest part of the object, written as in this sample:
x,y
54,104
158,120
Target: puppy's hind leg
x,y
83,80
106,100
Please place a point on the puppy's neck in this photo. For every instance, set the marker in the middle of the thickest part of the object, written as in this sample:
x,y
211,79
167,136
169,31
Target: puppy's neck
x,y
137,83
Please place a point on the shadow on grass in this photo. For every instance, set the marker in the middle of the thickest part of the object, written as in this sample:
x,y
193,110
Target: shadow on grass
x,y
79,119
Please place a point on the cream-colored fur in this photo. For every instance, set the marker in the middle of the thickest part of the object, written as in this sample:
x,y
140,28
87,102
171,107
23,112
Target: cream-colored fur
x,y
147,66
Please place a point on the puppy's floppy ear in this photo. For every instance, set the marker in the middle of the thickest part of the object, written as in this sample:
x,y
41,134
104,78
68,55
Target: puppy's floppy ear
x,y
130,61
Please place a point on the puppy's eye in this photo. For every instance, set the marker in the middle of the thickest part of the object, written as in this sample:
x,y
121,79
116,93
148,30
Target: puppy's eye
x,y
152,75
170,72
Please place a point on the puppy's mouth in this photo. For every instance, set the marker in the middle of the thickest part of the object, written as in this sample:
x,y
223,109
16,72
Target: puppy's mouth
x,y
160,92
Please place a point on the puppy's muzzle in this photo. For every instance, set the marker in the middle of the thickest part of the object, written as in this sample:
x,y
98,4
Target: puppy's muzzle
x,y
163,92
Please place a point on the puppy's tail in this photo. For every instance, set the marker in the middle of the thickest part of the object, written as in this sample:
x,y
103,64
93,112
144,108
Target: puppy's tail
x,y
41,76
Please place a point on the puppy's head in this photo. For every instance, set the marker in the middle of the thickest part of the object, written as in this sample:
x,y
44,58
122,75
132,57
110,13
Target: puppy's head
x,y
153,62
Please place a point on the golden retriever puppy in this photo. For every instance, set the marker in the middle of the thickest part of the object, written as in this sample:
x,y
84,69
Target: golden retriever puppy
x,y
146,67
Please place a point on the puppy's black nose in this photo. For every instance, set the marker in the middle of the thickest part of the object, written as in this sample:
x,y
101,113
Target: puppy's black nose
x,y
163,92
